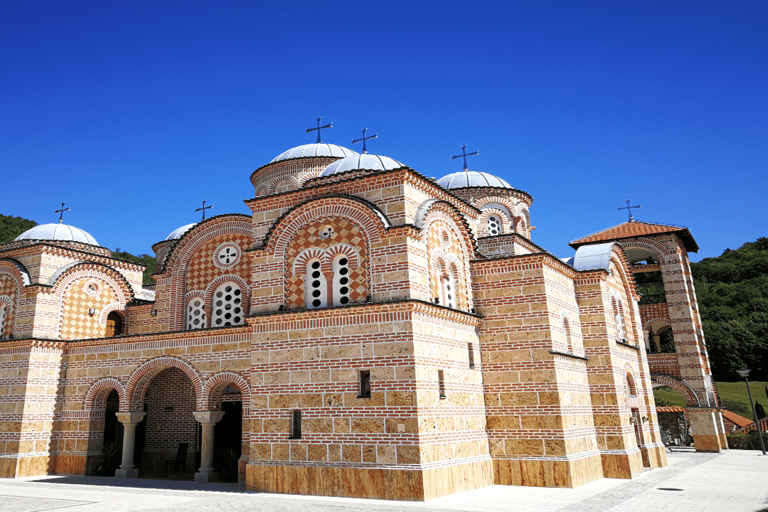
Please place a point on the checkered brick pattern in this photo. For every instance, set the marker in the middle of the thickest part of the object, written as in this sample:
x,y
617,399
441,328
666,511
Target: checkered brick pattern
x,y
202,270
344,233
436,238
8,288
76,323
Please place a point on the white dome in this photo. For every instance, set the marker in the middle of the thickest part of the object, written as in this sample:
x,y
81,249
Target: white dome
x,y
60,232
180,231
316,150
463,179
364,161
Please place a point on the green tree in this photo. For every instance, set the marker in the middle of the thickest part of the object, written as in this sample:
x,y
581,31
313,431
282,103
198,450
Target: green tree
x,y
759,410
732,291
144,259
11,227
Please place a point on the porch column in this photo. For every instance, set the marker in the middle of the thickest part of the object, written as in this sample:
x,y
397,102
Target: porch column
x,y
208,419
129,421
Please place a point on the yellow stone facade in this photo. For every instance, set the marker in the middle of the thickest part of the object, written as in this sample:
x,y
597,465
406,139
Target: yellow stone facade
x,y
459,359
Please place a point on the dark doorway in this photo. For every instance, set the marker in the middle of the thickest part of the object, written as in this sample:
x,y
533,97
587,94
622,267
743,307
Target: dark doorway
x,y
112,442
227,441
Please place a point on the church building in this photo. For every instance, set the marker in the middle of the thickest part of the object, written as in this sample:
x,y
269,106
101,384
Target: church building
x,y
366,331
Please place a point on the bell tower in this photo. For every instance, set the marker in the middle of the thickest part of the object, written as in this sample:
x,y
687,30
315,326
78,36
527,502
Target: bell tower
x,y
669,312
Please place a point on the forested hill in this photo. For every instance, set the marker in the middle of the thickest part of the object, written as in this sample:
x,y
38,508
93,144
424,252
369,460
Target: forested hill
x,y
11,227
733,300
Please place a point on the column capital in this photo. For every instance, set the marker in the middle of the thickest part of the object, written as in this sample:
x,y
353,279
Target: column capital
x,y
206,417
130,417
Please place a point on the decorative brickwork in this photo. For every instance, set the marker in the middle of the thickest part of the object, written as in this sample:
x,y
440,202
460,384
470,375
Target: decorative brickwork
x,y
76,321
347,239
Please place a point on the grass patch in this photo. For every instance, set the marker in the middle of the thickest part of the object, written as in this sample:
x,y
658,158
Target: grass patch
x,y
735,397
668,396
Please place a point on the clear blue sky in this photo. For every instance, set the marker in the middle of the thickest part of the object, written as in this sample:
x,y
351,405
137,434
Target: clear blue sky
x,y
133,112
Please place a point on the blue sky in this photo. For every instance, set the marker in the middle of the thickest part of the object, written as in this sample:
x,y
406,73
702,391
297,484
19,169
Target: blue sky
x,y
133,112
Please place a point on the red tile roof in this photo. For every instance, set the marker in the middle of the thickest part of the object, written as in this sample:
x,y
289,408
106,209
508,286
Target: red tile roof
x,y
736,419
751,426
637,228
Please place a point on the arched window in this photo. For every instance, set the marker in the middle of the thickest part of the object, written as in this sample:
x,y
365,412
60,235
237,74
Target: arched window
x,y
494,225
114,324
618,316
341,280
448,286
195,314
568,340
227,306
316,285
3,315
630,386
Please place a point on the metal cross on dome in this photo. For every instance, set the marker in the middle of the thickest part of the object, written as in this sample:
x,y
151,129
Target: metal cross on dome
x,y
365,149
204,208
61,212
628,207
464,154
329,125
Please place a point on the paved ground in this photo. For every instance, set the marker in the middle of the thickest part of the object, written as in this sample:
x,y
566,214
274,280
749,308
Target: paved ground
x,y
734,481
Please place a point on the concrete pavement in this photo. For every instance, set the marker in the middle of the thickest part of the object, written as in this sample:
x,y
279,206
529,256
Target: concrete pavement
x,y
693,482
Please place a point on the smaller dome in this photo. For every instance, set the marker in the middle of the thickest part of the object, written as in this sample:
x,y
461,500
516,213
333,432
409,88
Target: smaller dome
x,y
59,232
463,179
364,161
180,231
316,150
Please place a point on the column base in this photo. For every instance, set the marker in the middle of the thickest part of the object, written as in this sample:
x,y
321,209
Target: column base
x,y
208,476
127,473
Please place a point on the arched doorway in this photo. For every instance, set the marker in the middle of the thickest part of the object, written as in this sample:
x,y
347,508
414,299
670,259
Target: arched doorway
x,y
114,325
105,444
228,432
169,424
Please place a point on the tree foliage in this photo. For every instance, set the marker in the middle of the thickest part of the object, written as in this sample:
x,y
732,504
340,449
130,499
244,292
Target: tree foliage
x,y
11,227
143,259
732,290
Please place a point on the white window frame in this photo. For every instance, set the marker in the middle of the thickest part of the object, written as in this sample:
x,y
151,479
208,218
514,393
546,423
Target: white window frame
x,y
315,281
235,303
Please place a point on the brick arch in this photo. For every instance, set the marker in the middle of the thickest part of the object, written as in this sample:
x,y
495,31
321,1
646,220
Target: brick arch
x,y
366,216
454,218
199,235
139,381
194,294
115,306
646,244
214,386
657,320
99,391
112,277
181,254
246,301
482,221
658,380
291,180
17,272
347,250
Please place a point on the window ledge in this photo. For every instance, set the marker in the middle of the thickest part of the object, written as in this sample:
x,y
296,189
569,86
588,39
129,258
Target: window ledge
x,y
624,344
363,396
568,354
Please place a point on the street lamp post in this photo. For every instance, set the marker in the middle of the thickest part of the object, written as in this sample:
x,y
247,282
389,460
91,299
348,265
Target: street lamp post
x,y
744,372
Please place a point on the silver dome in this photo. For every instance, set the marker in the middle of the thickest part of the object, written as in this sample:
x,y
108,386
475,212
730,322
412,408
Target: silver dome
x,y
364,161
463,179
61,232
316,150
180,231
